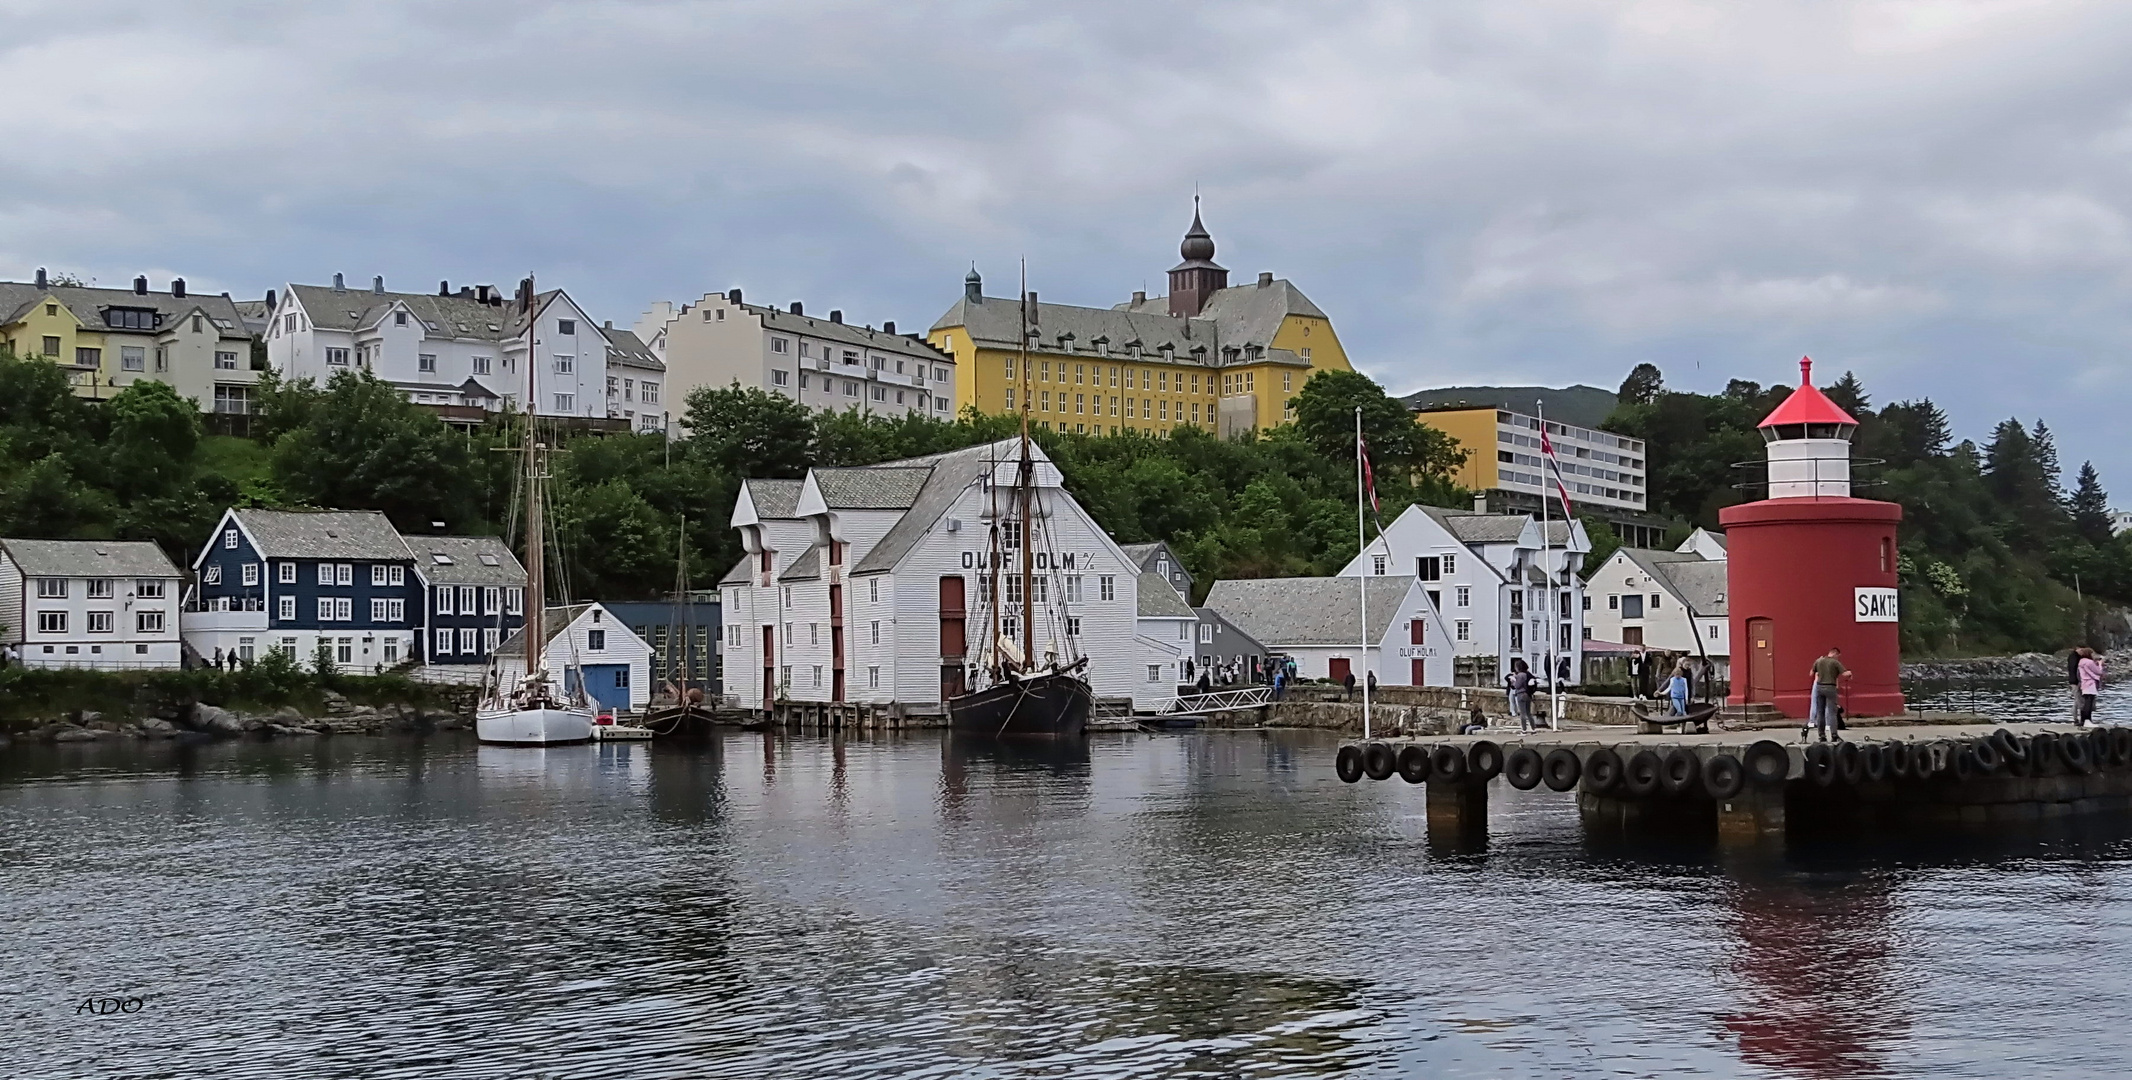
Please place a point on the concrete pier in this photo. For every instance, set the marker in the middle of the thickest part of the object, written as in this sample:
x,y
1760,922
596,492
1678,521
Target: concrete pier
x,y
1757,788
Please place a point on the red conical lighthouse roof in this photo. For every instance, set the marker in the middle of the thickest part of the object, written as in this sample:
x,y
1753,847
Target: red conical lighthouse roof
x,y
1807,405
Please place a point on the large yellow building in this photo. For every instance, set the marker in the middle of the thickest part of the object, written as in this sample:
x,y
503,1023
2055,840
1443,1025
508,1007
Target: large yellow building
x,y
1208,355
108,339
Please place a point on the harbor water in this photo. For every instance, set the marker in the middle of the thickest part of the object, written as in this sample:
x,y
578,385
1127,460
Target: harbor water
x,y
1209,904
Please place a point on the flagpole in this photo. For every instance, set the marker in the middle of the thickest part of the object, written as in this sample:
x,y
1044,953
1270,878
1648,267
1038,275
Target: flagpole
x,y
1554,685
1362,579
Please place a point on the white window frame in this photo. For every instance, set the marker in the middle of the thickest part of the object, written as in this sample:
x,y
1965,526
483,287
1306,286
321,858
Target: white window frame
x,y
285,573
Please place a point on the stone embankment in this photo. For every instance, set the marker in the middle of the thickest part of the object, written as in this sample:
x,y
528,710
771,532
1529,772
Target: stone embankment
x,y
203,721
1416,710
2032,665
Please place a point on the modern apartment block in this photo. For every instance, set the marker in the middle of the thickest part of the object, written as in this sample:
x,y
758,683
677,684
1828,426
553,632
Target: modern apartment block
x,y
1605,472
820,363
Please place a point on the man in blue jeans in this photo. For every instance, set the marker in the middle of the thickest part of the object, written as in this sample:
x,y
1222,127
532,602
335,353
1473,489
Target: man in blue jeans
x,y
1828,675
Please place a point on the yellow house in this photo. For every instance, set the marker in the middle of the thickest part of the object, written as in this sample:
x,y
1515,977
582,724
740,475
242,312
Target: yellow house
x,y
1208,355
108,339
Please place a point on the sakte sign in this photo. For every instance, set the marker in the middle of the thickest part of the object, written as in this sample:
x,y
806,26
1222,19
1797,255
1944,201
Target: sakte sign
x,y
1875,605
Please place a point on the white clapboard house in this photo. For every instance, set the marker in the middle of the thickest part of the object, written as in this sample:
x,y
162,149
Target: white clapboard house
x,y
1320,623
586,641
868,585
105,604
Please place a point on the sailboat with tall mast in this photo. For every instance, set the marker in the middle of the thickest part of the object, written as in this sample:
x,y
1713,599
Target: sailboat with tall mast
x,y
1024,695
540,709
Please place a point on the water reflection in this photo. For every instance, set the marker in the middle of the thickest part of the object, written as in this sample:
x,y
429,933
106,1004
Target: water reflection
x,y
1815,958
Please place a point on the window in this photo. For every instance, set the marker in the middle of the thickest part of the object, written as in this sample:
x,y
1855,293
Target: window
x,y
466,600
213,576
229,539
247,649
1654,601
1429,568
489,639
285,573
851,389
344,573
1462,630
51,588
377,573
148,589
99,622
880,393
444,642
1377,565
1613,602
1465,596
1154,673
481,365
817,676
873,632
444,599
1106,587
1073,626
565,365
148,622
873,590
565,402
491,599
377,609
337,357
51,345
325,573
566,327
780,377
514,600
325,609
1184,631
814,633
226,361
1206,633
1450,565
1073,589
426,362
101,588
285,608
395,575
51,622
780,345
87,357
396,611
873,678
649,392
467,637
250,572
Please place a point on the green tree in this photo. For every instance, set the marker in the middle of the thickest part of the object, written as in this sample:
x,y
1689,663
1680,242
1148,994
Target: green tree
x,y
2091,506
1325,417
363,445
749,432
1642,387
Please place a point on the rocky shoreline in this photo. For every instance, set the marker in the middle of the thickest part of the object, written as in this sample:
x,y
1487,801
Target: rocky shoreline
x,y
203,721
2033,665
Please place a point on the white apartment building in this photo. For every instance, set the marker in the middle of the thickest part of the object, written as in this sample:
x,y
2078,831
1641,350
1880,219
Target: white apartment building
x,y
1604,472
1490,577
465,349
870,585
820,363
105,604
636,382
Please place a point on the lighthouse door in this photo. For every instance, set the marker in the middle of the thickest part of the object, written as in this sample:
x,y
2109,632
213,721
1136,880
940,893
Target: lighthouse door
x,y
1761,660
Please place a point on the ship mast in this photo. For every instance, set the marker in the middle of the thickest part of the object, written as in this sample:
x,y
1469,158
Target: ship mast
x,y
1024,487
536,607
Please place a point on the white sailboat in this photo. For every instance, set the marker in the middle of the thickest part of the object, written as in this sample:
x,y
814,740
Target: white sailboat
x,y
541,709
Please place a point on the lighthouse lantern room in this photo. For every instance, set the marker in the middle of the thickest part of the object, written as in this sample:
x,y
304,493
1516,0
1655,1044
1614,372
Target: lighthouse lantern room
x,y
1811,568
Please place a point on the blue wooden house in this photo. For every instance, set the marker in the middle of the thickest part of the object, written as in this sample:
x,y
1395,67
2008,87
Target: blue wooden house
x,y
293,579
473,596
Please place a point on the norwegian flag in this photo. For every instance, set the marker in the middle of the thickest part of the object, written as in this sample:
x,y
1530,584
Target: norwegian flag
x,y
1554,469
1369,475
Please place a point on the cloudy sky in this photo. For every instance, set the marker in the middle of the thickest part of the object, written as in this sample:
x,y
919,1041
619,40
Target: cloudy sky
x,y
1931,194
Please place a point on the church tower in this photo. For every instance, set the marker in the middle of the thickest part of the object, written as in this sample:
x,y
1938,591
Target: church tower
x,y
1195,280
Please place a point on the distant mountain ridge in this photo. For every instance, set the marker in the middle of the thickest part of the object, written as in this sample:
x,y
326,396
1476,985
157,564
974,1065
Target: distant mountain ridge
x,y
1584,406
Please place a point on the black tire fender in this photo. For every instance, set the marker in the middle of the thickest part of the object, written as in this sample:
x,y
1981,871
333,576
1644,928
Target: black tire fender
x,y
1522,768
1414,763
1850,764
1723,776
1767,762
1561,769
1681,770
2074,752
1447,763
1965,765
1898,758
2009,747
1640,776
1989,759
2120,745
1378,761
1602,771
1484,760
1821,764
1348,763
1873,762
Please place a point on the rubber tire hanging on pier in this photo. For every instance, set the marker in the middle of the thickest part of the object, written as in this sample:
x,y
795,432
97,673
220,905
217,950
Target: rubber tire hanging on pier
x,y
2009,747
2120,745
2042,751
1348,763
2074,752
1602,770
1821,764
1485,760
1965,764
1873,762
1766,762
1723,776
1522,768
1447,763
1988,756
1682,770
1560,769
1379,762
1414,763
1850,762
2099,747
1640,776
1899,755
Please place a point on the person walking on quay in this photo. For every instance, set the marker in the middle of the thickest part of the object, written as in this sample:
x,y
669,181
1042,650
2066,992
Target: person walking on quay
x,y
2090,684
1639,670
1677,688
1519,683
1829,673
1347,684
1373,680
1204,686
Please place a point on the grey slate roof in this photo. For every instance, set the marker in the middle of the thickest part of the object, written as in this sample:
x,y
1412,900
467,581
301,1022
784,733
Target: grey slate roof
x,y
950,473
775,498
1244,315
739,574
88,305
324,534
1159,599
805,568
1468,527
861,337
554,621
452,316
475,560
1308,611
874,487
1698,582
626,349
89,558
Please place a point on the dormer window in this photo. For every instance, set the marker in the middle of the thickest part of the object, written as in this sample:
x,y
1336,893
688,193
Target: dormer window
x,y
132,318
399,318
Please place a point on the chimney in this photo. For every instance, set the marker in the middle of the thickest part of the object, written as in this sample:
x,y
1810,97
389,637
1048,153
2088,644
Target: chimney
x,y
270,301
525,294
1032,303
377,284
608,325
798,309
733,297
444,288
41,278
836,316
338,284
1265,278
888,328
481,293
1480,502
177,287
140,285
1139,297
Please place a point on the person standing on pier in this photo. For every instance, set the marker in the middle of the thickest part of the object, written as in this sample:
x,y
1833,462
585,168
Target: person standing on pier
x,y
1520,684
1677,688
1829,673
2090,670
2072,677
1639,670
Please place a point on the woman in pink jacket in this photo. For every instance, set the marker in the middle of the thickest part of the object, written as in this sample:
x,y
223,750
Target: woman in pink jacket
x,y
2090,682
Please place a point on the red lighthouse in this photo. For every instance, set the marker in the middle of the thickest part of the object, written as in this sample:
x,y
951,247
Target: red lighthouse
x,y
1810,568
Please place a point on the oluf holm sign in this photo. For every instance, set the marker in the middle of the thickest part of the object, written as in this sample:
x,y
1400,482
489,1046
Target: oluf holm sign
x,y
1875,605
